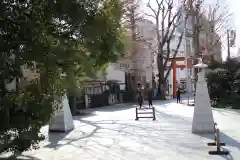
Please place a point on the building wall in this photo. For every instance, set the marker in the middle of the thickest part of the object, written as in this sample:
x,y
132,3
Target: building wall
x,y
147,35
115,73
140,64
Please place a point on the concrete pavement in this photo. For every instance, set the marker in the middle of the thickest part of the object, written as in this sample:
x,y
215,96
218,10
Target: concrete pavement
x,y
111,133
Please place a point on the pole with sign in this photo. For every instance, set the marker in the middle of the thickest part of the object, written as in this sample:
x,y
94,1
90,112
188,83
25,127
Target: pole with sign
x,y
231,37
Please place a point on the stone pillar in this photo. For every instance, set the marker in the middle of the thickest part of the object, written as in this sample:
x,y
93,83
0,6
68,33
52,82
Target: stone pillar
x,y
203,122
62,121
86,98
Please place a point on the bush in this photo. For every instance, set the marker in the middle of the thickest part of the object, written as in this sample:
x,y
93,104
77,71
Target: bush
x,y
224,84
23,115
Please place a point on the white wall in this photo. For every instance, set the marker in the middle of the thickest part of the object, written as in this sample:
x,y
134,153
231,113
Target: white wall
x,y
115,74
174,43
181,73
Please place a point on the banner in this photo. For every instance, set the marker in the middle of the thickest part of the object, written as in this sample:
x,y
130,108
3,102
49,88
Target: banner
x,y
232,37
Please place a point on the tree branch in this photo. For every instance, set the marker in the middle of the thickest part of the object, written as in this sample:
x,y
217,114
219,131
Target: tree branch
x,y
149,15
151,8
174,56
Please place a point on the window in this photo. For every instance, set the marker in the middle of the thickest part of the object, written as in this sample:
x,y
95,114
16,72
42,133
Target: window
x,y
181,54
188,46
122,66
116,65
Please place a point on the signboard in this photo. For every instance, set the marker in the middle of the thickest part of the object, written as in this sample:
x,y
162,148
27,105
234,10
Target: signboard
x,y
122,66
180,62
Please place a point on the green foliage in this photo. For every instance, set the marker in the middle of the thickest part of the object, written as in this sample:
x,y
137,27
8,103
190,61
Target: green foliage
x,y
214,64
66,41
224,84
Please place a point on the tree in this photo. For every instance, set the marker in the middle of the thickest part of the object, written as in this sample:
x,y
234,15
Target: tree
x,y
131,18
209,21
217,16
223,84
167,20
64,45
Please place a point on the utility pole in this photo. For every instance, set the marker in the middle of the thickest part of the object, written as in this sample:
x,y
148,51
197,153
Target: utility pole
x,y
186,54
228,46
231,37
196,32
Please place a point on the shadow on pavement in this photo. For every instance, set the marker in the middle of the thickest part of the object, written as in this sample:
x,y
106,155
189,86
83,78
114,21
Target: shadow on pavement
x,y
54,138
119,107
22,157
116,107
111,108
225,139
170,131
125,106
229,141
90,137
84,113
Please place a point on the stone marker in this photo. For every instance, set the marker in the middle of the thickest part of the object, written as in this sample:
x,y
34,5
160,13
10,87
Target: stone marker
x,y
62,121
203,117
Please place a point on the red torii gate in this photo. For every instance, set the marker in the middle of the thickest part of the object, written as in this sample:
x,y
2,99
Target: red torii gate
x,y
175,66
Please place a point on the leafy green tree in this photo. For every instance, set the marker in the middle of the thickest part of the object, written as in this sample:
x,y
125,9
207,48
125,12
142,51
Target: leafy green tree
x,y
224,83
64,42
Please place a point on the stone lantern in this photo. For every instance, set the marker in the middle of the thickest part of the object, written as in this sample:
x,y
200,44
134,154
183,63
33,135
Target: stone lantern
x,y
203,121
62,120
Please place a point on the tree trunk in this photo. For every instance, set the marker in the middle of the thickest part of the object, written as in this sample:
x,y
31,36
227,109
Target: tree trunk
x,y
161,79
6,108
72,103
162,88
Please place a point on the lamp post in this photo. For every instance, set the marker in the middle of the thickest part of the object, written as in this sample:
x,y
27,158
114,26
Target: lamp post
x,y
185,50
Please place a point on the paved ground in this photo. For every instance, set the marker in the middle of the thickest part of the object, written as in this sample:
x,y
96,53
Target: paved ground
x,y
111,133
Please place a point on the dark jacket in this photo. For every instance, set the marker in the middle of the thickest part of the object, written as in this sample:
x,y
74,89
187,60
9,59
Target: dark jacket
x,y
150,93
178,93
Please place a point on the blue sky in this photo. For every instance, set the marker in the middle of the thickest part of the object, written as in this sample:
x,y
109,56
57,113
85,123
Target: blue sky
x,y
233,21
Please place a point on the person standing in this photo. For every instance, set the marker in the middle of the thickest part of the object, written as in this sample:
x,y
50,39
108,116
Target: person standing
x,y
178,94
150,95
140,94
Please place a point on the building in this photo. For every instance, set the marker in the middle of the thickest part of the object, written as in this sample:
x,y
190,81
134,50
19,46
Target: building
x,y
181,75
138,67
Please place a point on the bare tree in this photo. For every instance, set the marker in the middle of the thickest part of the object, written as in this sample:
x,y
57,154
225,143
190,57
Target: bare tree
x,y
209,21
167,18
217,16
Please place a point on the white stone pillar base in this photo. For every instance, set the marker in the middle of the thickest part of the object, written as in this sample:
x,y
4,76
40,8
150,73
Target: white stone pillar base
x,y
62,121
203,122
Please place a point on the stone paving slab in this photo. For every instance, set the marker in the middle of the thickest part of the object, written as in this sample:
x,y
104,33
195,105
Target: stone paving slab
x,y
111,133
